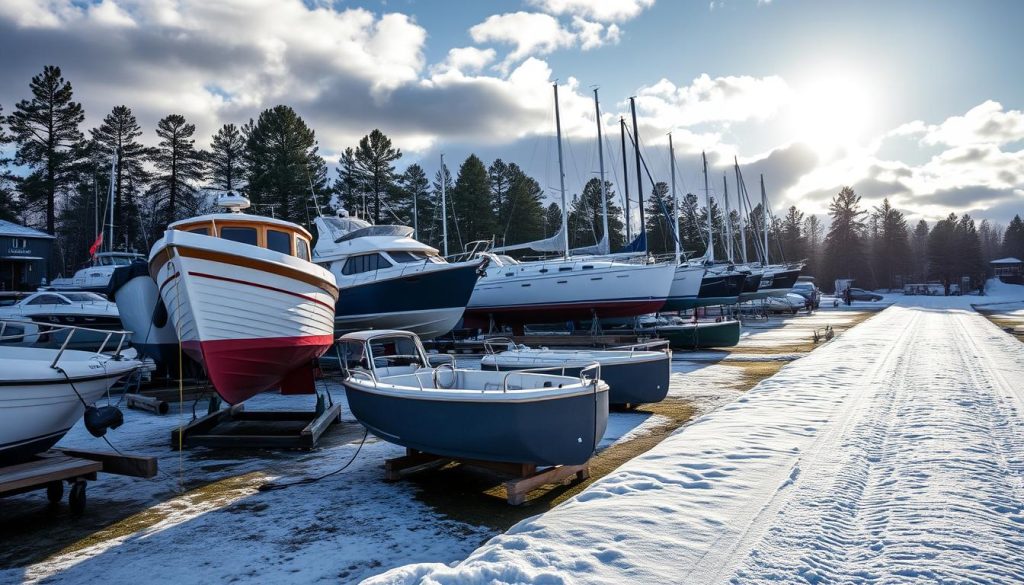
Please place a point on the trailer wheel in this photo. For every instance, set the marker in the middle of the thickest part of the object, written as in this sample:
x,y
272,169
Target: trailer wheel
x,y
54,492
76,499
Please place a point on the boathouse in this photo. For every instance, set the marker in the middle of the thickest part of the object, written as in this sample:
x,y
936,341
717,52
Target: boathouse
x,y
1009,270
24,256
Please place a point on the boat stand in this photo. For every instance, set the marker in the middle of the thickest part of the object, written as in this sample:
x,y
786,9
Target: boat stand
x,y
51,469
526,476
157,397
234,427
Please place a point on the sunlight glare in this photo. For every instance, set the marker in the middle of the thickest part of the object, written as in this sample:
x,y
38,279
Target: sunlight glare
x,y
832,111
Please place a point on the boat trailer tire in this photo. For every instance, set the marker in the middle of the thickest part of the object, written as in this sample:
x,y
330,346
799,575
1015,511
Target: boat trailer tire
x,y
76,499
54,492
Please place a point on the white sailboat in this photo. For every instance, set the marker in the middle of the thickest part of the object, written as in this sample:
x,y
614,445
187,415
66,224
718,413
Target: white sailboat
x,y
566,288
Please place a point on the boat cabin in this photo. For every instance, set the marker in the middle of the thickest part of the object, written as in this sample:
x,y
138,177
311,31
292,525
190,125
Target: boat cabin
x,y
277,235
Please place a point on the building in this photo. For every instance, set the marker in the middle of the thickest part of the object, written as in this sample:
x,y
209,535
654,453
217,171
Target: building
x,y
24,256
1009,270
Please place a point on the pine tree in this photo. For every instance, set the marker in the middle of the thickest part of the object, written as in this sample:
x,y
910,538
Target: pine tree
x,y
500,183
472,201
180,166
8,195
523,208
346,185
586,216
693,233
892,252
991,236
942,252
227,153
552,220
1013,239
444,176
792,237
660,238
919,250
813,232
46,132
416,188
844,244
968,246
282,163
373,158
118,134
717,228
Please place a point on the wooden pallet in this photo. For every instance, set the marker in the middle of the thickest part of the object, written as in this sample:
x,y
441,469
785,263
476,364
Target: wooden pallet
x,y
525,476
234,427
51,469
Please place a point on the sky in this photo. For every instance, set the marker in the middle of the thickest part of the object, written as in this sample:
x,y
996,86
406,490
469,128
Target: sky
x,y
917,101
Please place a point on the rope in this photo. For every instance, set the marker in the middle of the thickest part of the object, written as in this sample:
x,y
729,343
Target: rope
x,y
271,486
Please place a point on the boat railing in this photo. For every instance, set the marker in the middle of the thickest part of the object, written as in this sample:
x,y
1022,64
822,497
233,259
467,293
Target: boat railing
x,y
491,342
364,374
540,371
50,328
652,345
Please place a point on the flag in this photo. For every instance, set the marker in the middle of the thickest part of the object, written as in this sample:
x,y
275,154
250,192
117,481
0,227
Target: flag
x,y
96,245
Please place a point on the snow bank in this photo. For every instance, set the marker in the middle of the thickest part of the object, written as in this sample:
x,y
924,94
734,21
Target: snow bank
x,y
894,453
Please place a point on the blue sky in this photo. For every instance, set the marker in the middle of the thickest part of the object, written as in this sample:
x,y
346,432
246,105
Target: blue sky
x,y
918,101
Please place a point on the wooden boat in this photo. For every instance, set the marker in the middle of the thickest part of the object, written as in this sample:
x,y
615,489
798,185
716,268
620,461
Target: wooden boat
x,y
515,417
44,391
636,374
245,299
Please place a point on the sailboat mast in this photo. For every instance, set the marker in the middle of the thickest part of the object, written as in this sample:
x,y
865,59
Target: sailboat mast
x,y
561,175
444,208
639,175
709,254
675,201
740,188
764,219
600,162
113,177
625,178
728,219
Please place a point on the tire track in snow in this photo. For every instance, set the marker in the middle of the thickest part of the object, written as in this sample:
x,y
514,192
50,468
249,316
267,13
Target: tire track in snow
x,y
928,487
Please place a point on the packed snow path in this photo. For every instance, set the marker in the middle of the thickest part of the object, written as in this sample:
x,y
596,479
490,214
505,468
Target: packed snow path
x,y
893,454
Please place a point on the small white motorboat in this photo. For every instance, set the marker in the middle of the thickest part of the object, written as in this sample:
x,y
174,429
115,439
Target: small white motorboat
x,y
49,310
636,374
516,417
43,391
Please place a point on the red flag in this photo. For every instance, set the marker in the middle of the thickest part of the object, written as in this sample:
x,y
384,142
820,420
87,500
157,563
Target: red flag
x,y
96,245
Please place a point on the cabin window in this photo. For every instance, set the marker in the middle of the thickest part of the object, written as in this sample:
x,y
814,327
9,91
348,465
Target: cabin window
x,y
364,263
242,235
202,231
279,241
564,268
48,300
302,249
405,257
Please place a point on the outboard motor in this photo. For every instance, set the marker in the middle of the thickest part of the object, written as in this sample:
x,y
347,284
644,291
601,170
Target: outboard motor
x,y
98,420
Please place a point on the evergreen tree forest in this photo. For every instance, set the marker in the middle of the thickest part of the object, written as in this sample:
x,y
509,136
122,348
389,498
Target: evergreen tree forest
x,y
60,177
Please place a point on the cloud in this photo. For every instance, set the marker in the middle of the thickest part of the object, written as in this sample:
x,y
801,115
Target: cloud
x,y
599,10
986,123
465,60
719,99
532,33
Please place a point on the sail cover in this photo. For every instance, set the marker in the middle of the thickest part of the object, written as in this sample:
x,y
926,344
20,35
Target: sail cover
x,y
637,245
555,243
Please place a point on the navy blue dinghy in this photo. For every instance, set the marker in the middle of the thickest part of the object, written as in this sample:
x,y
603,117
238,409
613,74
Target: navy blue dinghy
x,y
514,417
636,374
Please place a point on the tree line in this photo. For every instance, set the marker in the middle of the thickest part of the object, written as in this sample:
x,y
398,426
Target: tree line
x,y
274,159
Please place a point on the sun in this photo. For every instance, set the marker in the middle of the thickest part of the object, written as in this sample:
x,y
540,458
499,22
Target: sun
x,y
833,110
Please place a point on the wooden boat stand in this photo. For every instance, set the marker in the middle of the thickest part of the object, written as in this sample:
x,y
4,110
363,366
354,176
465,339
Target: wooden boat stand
x,y
234,427
49,470
157,396
526,477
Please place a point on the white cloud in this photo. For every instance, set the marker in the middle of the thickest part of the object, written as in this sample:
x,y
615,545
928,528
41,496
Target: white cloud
x,y
719,99
532,33
465,60
594,34
986,123
600,10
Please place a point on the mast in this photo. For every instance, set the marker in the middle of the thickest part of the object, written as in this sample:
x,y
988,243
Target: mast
x,y
639,176
764,219
600,159
113,174
96,202
561,174
675,201
728,219
709,254
740,188
444,208
625,177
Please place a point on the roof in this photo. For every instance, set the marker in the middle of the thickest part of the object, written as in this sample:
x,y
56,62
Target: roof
x,y
246,217
12,229
1007,261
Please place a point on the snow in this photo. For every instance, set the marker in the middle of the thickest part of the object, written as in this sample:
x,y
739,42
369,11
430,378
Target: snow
x,y
895,453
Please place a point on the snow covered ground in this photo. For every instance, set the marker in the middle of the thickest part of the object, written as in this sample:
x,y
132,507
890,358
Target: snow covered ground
x,y
893,454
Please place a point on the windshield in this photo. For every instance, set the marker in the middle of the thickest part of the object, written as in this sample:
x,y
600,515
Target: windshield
x,y
84,297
